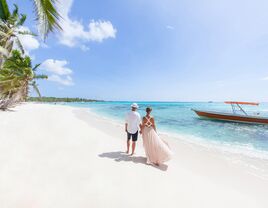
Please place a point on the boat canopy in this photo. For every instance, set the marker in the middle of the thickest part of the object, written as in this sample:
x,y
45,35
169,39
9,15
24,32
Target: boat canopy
x,y
241,103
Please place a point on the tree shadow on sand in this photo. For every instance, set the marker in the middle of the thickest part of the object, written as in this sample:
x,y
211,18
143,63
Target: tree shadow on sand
x,y
7,110
120,156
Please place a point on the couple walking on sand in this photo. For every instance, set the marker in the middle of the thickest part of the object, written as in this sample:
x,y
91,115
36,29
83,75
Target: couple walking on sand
x,y
157,151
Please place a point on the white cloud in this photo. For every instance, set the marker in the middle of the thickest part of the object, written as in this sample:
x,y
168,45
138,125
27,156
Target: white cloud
x,y
59,72
29,42
84,48
100,30
74,33
67,81
56,66
264,78
170,27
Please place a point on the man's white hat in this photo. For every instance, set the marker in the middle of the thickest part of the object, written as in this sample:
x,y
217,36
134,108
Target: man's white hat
x,y
134,105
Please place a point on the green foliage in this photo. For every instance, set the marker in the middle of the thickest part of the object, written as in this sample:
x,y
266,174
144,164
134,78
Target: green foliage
x,y
10,28
16,75
4,10
16,71
47,16
45,11
55,99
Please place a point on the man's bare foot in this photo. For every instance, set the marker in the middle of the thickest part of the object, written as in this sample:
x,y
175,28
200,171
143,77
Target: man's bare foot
x,y
127,152
132,154
157,164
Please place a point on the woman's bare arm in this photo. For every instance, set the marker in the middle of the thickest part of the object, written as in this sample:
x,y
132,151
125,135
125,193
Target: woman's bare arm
x,y
153,124
142,125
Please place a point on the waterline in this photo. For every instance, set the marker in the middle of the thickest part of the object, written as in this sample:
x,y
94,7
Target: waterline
x,y
177,119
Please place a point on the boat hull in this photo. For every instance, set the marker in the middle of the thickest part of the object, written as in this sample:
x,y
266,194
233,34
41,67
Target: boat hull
x,y
231,117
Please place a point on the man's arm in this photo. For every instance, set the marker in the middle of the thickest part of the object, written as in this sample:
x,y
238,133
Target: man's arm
x,y
141,125
141,128
126,122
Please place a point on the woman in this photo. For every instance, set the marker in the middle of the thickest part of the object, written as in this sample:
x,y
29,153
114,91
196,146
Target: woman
x,y
157,151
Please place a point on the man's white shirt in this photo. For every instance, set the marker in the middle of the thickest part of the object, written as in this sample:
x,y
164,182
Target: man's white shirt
x,y
133,120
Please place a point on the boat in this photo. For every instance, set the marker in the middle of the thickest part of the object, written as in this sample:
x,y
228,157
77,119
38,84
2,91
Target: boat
x,y
238,114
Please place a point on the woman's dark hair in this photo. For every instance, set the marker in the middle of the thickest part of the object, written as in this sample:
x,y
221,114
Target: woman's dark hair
x,y
148,109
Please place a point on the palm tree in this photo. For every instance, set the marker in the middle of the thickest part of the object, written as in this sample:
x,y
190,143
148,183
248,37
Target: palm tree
x,y
16,76
16,71
45,12
9,31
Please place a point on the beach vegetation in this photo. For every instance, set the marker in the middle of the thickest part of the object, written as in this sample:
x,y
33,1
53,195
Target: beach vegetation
x,y
60,100
16,76
46,15
10,29
16,71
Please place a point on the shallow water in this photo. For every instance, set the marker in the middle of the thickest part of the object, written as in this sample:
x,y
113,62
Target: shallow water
x,y
178,118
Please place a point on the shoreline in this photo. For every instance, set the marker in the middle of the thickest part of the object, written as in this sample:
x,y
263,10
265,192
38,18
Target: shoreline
x,y
66,156
224,148
253,162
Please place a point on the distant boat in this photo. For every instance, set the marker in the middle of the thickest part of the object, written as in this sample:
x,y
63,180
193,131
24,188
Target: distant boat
x,y
243,117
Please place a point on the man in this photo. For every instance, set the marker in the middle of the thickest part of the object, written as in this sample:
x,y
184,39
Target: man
x,y
132,125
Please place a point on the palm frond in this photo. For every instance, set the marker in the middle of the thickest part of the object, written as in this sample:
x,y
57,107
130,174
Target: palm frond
x,y
15,11
26,32
47,16
3,23
35,87
4,10
20,46
36,66
9,46
3,51
3,34
16,75
41,76
22,19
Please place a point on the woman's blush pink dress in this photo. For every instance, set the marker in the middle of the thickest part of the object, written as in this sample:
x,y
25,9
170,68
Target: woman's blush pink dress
x,y
157,150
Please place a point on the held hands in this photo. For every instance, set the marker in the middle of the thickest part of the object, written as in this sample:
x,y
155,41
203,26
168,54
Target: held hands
x,y
140,132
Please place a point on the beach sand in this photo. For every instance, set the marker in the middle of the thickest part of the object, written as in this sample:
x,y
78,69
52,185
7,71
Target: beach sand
x,y
54,156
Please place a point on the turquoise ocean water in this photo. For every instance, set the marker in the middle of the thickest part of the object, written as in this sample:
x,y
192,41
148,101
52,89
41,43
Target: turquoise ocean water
x,y
178,118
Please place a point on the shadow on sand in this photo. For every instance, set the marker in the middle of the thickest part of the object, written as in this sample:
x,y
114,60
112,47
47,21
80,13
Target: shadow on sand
x,y
122,156
7,110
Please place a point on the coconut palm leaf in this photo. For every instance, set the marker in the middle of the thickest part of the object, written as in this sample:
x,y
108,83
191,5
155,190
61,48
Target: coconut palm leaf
x,y
3,34
3,51
26,32
47,16
40,76
4,10
36,66
9,46
10,32
3,22
16,10
16,75
20,46
22,19
35,87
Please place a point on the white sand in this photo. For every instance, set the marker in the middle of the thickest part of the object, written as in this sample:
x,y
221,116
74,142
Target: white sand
x,y
63,157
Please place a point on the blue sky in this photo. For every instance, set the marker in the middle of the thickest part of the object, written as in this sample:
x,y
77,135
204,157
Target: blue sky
x,y
184,50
